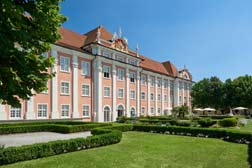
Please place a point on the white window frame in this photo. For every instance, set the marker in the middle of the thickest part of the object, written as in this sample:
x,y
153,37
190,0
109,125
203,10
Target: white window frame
x,y
143,77
159,110
118,74
152,110
68,110
159,97
68,87
85,72
151,97
15,109
152,82
118,95
143,107
132,62
131,97
134,77
118,58
104,67
142,96
159,83
106,54
68,66
83,84
41,117
165,98
86,105
108,92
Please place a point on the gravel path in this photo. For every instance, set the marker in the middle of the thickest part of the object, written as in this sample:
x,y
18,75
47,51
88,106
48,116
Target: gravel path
x,y
37,137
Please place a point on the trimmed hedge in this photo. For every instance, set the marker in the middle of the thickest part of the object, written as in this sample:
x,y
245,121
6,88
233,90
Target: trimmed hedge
x,y
229,135
206,122
102,136
228,122
60,128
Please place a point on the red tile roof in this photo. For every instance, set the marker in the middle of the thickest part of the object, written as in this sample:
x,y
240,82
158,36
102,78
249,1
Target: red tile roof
x,y
77,41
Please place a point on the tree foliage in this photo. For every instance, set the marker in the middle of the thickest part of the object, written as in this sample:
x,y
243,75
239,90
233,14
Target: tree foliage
x,y
27,28
180,111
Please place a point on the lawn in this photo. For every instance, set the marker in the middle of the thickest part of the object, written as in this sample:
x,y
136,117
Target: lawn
x,y
138,149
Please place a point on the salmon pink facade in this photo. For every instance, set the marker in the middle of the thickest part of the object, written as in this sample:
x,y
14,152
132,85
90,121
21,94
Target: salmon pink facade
x,y
98,78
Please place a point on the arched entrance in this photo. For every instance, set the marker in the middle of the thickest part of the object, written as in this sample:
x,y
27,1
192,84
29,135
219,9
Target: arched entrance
x,y
106,111
120,110
132,112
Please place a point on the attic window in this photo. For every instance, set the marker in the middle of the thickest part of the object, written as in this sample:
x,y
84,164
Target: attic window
x,y
106,54
185,76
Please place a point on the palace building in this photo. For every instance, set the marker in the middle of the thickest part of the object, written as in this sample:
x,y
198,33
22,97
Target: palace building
x,y
98,78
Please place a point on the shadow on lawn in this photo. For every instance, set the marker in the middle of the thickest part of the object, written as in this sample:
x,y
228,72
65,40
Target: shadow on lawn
x,y
250,154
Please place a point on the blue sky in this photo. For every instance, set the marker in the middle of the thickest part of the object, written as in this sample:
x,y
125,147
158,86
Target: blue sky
x,y
210,37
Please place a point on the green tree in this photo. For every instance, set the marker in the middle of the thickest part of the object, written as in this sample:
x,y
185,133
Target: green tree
x,y
208,93
27,28
180,111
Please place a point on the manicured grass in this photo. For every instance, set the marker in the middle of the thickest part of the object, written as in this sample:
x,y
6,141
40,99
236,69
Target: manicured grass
x,y
138,149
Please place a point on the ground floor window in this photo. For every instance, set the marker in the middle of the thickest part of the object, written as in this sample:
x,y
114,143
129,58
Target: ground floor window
x,y
85,110
120,110
133,112
64,110
106,111
15,112
42,110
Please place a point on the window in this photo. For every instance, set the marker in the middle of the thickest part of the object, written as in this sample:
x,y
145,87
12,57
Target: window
x,y
159,83
85,66
152,110
165,98
180,86
120,74
171,85
65,88
171,98
106,71
15,112
143,95
143,80
152,96
132,94
106,91
64,64
133,112
106,111
106,54
159,110
143,110
120,59
64,110
165,84
42,110
132,77
120,93
132,62
185,86
159,97
85,90
180,99
152,82
85,110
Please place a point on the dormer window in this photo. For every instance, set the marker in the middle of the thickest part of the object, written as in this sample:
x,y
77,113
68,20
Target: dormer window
x,y
132,62
106,54
120,59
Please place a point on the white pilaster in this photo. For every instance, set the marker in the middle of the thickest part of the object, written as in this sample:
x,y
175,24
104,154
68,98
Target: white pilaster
x,y
169,97
148,93
138,94
114,113
127,93
183,92
30,113
176,92
54,87
98,81
162,96
156,96
3,115
75,87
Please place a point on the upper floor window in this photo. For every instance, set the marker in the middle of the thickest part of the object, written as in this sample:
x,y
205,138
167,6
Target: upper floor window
x,y
106,54
85,90
132,77
171,85
143,79
85,66
65,88
152,82
152,96
132,62
64,64
165,98
165,84
120,73
132,94
159,97
106,91
120,93
159,82
119,58
106,71
143,95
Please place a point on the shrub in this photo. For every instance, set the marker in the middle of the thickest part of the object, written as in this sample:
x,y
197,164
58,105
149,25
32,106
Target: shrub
x,y
206,122
121,119
228,122
28,152
184,123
